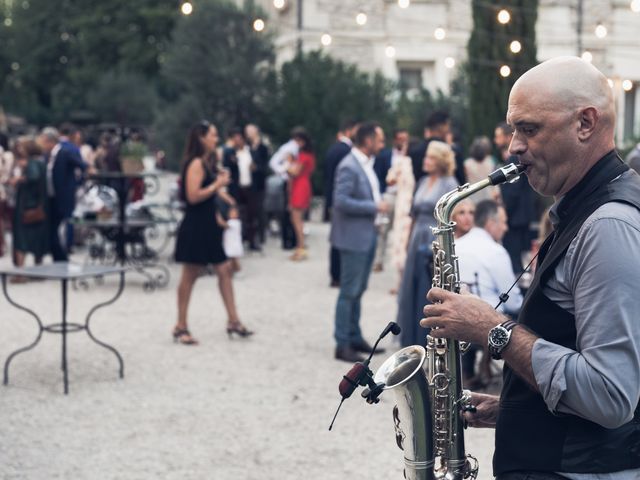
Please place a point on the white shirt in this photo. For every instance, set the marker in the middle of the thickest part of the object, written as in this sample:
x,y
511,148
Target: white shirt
x,y
278,162
367,165
52,159
483,260
232,238
244,165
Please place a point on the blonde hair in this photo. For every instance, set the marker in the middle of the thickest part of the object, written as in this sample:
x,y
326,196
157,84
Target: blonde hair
x,y
443,154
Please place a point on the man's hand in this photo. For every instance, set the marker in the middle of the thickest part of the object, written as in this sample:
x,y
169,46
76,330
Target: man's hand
x,y
486,410
382,207
463,317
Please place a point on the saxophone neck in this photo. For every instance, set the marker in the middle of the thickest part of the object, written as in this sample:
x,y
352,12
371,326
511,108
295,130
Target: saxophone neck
x,y
446,204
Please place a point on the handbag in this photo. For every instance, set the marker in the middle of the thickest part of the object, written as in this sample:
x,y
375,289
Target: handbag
x,y
34,215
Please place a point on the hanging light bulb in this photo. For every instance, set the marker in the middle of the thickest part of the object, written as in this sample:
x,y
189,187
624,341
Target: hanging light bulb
x,y
627,85
390,51
504,16
505,71
186,8
635,6
258,25
326,39
601,31
515,46
439,33
587,56
361,19
449,62
403,3
279,4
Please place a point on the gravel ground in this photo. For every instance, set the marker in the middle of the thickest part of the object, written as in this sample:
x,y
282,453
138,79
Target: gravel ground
x,y
253,408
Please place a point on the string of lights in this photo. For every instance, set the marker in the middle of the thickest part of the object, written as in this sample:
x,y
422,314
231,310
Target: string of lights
x,y
504,14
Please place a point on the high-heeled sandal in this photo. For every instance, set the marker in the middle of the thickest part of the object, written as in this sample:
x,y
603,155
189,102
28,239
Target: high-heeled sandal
x,y
299,254
183,336
239,329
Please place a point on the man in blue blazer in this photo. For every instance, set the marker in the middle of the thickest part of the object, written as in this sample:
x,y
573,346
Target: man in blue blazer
x,y
356,202
62,162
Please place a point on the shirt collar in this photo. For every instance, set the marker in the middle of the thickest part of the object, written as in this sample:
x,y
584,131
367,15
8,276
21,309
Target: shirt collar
x,y
362,157
480,233
55,150
346,140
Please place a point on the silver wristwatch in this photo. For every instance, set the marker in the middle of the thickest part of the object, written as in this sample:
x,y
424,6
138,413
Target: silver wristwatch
x,y
499,337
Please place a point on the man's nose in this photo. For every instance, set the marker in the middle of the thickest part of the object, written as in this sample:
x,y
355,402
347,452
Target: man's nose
x,y
517,146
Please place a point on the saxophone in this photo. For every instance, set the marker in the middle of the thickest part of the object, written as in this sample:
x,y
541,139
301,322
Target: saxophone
x,y
427,381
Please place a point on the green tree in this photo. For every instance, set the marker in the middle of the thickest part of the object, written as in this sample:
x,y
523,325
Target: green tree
x,y
123,98
218,68
63,50
317,92
488,49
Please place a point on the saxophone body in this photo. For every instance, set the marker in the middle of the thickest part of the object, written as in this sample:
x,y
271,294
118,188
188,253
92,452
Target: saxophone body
x,y
427,381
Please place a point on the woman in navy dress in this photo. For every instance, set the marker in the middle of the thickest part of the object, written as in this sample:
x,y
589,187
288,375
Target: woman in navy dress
x,y
439,164
199,241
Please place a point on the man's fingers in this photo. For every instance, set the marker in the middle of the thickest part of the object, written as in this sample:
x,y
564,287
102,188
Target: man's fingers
x,y
433,310
437,330
436,294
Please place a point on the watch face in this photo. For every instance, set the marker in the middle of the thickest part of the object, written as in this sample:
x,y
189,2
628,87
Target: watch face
x,y
498,337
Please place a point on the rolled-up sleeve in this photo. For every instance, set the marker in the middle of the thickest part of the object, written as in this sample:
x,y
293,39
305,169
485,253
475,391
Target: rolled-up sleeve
x,y
601,380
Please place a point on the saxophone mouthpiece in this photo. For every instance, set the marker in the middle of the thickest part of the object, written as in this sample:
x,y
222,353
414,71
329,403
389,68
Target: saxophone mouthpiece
x,y
508,173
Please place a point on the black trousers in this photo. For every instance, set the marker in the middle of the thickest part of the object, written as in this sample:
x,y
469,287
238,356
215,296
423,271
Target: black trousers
x,y
286,227
58,252
527,475
249,214
517,241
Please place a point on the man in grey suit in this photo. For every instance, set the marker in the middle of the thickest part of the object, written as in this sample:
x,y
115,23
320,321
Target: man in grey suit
x,y
356,202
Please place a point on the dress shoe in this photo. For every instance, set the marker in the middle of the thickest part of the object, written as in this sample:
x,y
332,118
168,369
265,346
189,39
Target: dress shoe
x,y
363,347
348,354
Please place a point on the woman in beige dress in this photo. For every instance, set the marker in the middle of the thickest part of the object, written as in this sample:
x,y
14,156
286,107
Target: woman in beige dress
x,y
401,175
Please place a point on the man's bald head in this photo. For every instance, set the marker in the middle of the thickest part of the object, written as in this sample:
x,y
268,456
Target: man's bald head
x,y
569,83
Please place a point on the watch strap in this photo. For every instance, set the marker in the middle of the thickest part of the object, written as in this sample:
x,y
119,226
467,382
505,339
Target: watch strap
x,y
495,353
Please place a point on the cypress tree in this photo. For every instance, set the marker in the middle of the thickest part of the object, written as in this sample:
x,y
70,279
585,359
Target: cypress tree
x,y
488,50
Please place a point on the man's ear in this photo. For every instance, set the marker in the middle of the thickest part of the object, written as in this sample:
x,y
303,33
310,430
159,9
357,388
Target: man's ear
x,y
589,118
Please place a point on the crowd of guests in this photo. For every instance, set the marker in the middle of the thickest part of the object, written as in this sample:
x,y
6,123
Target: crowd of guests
x,y
39,176
42,175
382,200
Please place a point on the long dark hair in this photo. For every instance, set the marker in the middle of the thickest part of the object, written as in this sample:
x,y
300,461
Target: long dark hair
x,y
299,133
194,147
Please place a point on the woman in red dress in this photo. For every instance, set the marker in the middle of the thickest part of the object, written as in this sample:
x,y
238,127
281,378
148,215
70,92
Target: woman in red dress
x,y
300,170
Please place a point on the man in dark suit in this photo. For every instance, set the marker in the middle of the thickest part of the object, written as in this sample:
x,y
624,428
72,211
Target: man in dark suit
x,y
260,169
518,200
332,159
71,138
436,128
62,163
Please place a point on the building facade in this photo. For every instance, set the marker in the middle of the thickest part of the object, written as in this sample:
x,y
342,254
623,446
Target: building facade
x,y
421,42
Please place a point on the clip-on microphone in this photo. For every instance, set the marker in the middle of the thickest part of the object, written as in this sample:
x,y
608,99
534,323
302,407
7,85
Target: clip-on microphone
x,y
361,375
